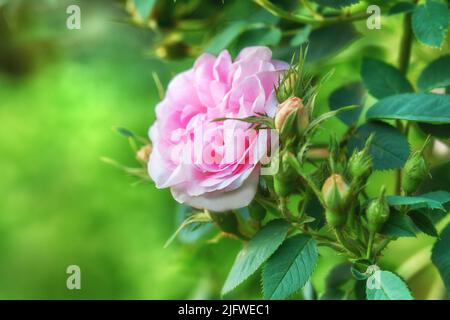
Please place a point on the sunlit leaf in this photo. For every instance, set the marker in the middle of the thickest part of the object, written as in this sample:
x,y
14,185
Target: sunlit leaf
x,y
422,107
436,74
288,270
255,253
348,95
390,287
441,256
430,22
382,79
389,148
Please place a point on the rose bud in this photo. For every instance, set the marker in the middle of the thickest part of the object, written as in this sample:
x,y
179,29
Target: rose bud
x,y
360,163
360,166
143,153
284,181
335,192
290,113
377,213
415,170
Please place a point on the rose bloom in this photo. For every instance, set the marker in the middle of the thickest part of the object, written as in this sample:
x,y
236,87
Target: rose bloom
x,y
210,164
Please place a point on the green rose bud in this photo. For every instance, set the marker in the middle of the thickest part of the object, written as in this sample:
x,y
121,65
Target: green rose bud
x,y
335,192
360,166
360,163
415,170
377,213
284,181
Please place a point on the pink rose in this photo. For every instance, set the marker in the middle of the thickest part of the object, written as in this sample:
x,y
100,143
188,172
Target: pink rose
x,y
209,164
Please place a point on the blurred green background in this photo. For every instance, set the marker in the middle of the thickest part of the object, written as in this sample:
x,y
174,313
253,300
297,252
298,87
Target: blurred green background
x,y
61,94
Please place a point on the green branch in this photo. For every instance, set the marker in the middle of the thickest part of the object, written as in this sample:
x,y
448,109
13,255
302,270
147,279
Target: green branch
x,y
316,19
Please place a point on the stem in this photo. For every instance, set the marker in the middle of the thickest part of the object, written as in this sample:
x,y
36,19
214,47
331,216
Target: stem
x,y
403,64
333,246
340,237
311,9
285,213
370,245
316,20
405,45
279,12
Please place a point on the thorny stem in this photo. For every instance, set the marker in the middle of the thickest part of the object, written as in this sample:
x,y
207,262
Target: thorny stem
x,y
370,245
340,237
404,59
308,6
316,20
403,64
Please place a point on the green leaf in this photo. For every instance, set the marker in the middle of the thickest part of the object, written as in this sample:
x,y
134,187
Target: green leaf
x,y
336,3
328,40
389,148
226,37
125,132
422,107
430,22
391,287
420,201
268,36
435,75
288,270
301,36
144,7
260,120
399,225
255,253
383,80
441,256
442,197
309,293
347,95
423,223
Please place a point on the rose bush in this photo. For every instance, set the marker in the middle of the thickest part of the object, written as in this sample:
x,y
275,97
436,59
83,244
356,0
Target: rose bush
x,y
332,187
197,157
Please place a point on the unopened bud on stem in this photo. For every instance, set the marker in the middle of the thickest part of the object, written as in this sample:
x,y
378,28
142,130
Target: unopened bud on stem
x,y
360,163
291,114
415,170
335,192
143,154
377,212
